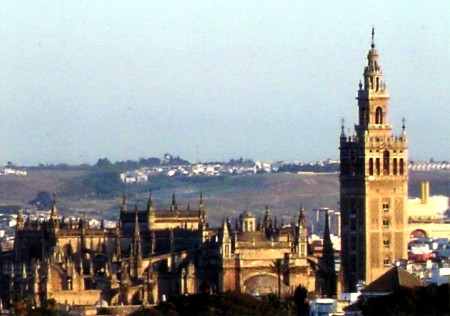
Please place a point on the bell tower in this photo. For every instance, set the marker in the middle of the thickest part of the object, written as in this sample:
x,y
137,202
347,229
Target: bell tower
x,y
373,184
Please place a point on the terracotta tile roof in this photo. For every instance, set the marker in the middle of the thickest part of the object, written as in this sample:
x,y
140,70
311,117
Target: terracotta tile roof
x,y
391,280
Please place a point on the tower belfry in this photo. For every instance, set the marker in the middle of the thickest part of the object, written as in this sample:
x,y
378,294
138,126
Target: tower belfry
x,y
373,184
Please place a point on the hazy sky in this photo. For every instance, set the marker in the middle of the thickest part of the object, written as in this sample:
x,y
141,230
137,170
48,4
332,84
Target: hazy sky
x,y
213,80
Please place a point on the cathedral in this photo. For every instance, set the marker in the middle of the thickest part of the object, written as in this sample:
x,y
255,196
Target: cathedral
x,y
373,184
151,255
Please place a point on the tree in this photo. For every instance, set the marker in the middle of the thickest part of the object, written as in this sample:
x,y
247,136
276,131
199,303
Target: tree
x,y
43,200
103,163
300,300
280,267
48,308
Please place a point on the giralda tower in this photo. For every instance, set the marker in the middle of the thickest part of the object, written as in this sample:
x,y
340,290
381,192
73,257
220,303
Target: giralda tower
x,y
373,184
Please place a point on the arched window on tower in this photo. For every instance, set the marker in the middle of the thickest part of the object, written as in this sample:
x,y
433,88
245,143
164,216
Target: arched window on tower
x,y
370,166
377,166
394,166
353,166
379,115
386,162
401,167
364,117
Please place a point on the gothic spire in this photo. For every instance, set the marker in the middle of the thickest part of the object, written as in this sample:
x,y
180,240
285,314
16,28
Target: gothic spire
x,y
118,250
174,206
123,206
267,220
327,262
201,207
150,202
54,210
136,224
343,124
301,217
19,224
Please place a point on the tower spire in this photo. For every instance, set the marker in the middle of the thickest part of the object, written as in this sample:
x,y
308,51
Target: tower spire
x,y
174,206
136,224
342,127
327,265
301,216
373,37
54,211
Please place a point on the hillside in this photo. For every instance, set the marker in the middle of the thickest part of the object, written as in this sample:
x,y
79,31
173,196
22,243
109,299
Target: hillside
x,y
224,196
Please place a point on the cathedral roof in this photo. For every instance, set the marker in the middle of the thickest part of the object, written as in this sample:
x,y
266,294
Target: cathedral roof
x,y
251,236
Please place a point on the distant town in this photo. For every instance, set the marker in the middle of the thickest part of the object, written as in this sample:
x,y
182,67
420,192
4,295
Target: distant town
x,y
174,166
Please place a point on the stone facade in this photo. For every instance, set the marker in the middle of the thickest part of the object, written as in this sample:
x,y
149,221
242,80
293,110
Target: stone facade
x,y
250,251
373,185
151,255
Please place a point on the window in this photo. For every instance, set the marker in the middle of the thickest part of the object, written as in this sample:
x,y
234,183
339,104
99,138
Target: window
x,y
377,166
363,118
371,167
379,115
386,262
386,242
386,207
394,166
386,223
386,162
353,162
352,214
401,167
353,223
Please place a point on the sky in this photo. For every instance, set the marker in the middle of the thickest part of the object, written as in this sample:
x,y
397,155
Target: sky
x,y
214,80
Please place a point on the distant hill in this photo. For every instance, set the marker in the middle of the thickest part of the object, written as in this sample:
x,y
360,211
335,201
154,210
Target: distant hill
x,y
284,193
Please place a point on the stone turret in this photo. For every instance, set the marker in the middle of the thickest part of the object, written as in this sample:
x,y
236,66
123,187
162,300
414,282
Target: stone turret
x,y
301,242
150,212
136,249
20,220
225,240
54,221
